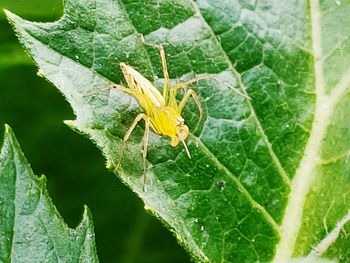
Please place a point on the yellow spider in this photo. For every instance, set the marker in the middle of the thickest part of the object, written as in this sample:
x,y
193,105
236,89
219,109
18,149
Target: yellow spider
x,y
162,113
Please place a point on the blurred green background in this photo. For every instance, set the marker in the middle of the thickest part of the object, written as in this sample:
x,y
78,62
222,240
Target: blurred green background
x,y
74,167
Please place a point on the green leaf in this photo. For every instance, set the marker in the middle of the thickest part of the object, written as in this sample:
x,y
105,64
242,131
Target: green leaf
x,y
31,229
268,179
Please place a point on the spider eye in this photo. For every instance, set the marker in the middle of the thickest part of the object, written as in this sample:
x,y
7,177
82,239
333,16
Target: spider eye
x,y
183,133
180,122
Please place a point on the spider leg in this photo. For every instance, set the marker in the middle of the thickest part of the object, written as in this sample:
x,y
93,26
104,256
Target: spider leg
x,y
166,87
188,93
113,86
183,102
144,154
138,118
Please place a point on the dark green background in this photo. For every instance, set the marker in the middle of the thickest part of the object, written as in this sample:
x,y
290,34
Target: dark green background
x,y
73,165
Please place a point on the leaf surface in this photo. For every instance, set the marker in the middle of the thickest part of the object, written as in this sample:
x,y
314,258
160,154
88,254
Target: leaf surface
x,y
31,229
268,175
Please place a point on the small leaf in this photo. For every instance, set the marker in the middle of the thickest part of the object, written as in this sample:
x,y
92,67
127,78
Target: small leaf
x,y
268,179
31,229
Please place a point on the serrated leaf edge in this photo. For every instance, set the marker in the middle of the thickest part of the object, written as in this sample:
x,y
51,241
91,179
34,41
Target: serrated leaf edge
x,y
86,223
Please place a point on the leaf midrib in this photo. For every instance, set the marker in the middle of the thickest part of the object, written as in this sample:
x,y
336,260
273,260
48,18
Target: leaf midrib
x,y
304,177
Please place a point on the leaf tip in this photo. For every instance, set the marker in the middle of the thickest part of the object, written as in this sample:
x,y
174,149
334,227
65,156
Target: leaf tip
x,y
109,165
14,20
73,124
9,135
8,129
40,74
7,12
87,214
43,181
87,220
11,16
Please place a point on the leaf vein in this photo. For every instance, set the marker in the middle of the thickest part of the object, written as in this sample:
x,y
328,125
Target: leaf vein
x,y
331,237
239,185
273,155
